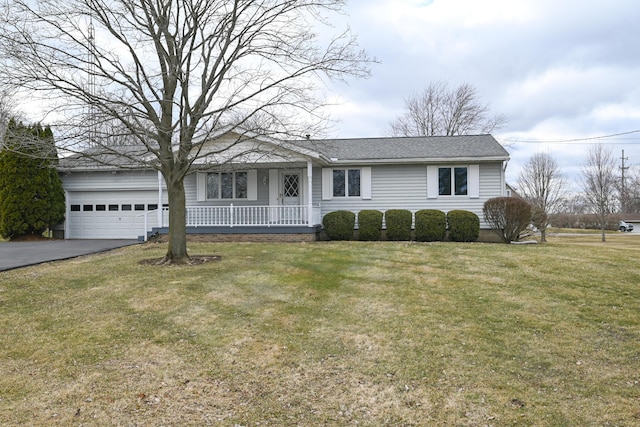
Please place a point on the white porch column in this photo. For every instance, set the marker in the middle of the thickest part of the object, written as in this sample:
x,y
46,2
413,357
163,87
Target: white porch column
x,y
310,194
159,213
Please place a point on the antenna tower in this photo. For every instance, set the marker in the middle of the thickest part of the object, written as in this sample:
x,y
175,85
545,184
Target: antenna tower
x,y
91,95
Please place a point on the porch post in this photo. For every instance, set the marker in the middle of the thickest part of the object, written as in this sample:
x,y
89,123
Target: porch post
x,y
309,194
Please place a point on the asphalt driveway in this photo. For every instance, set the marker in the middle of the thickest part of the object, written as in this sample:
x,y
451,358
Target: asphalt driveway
x,y
22,254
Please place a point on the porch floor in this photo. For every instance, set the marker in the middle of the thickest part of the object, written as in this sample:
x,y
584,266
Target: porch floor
x,y
245,233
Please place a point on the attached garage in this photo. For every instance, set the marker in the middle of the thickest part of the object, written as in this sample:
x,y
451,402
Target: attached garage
x,y
109,214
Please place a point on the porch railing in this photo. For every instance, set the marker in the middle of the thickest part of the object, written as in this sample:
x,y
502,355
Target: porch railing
x,y
239,216
247,216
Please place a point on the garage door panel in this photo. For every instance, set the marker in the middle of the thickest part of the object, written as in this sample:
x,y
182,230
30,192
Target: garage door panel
x,y
100,215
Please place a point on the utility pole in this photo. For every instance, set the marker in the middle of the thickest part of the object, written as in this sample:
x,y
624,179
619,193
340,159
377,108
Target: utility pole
x,y
623,190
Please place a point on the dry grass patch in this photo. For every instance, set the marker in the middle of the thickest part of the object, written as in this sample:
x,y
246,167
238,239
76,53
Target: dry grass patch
x,y
327,334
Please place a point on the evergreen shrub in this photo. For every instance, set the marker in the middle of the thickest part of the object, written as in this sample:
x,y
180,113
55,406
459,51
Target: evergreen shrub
x,y
369,225
339,225
464,226
431,225
31,193
398,224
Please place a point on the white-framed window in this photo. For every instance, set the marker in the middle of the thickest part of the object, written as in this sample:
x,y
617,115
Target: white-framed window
x,y
452,181
346,183
227,185
222,186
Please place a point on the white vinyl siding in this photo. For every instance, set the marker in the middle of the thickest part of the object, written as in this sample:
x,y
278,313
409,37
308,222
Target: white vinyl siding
x,y
415,187
105,181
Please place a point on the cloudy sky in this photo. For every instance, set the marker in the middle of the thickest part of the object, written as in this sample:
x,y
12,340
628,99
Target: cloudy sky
x,y
565,72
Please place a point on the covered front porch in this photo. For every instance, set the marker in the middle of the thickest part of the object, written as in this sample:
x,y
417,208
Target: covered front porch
x,y
259,200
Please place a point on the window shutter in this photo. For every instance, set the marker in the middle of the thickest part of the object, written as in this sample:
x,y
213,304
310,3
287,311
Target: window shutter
x,y
327,189
432,182
365,182
201,186
252,185
274,187
473,180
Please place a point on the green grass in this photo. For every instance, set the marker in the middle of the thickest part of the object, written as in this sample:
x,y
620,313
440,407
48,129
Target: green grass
x,y
328,334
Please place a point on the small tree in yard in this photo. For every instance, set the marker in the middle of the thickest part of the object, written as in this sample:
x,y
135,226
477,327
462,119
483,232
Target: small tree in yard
x,y
599,184
31,194
541,183
507,216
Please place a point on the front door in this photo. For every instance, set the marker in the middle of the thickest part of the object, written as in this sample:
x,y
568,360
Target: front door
x,y
291,192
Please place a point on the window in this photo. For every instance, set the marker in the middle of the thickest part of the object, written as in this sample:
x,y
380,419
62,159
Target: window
x,y
152,207
126,207
87,208
113,208
227,185
452,181
346,183
75,208
101,207
138,207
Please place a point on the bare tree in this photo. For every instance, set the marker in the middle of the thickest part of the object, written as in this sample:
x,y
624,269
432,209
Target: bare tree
x,y
542,184
166,75
8,110
438,111
599,183
632,190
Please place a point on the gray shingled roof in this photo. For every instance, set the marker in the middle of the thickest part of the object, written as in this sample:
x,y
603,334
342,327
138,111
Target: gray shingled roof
x,y
407,148
357,150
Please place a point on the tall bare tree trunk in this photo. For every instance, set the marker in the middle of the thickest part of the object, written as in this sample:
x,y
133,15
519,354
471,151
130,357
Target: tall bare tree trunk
x,y
177,248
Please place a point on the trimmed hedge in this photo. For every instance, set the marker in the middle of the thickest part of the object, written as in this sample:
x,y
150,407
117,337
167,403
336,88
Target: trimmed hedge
x,y
398,224
464,226
339,225
369,225
431,225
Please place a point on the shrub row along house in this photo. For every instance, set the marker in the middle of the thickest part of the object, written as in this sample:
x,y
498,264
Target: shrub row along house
x,y
266,188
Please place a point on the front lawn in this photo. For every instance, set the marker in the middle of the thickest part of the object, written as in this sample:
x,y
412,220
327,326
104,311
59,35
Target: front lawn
x,y
329,334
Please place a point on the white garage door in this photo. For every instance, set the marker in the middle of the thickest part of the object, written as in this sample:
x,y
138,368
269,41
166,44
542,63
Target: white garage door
x,y
109,215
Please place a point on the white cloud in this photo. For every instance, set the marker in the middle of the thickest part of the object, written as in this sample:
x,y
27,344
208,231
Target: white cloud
x,y
560,70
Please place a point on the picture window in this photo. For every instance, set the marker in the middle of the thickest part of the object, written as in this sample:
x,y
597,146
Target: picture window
x,y
346,183
227,185
452,181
